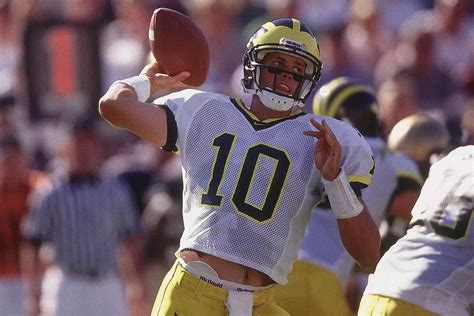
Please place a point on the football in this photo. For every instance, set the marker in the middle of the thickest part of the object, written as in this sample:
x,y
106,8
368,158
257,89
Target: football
x,y
178,44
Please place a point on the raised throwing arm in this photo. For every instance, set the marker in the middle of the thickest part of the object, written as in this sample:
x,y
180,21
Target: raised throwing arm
x,y
124,106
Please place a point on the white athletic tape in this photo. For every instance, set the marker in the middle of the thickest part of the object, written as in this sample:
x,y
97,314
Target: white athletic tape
x,y
344,202
239,303
141,85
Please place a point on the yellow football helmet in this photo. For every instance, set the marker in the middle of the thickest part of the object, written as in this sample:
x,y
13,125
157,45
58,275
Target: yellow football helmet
x,y
351,101
288,36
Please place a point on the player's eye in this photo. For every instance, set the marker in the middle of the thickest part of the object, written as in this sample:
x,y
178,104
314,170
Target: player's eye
x,y
277,63
298,70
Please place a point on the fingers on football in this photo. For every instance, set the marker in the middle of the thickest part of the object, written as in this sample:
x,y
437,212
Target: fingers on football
x,y
182,76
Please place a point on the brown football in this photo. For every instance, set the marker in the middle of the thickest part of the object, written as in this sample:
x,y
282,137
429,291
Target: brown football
x,y
178,44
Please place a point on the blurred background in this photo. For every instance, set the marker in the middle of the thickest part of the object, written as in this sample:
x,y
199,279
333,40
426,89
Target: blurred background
x,y
57,57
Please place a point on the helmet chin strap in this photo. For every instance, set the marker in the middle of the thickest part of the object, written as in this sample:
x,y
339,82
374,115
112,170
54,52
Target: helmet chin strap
x,y
277,102
270,100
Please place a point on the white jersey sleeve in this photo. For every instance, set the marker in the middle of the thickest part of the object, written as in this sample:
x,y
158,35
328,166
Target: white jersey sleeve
x,y
433,264
322,244
249,185
406,171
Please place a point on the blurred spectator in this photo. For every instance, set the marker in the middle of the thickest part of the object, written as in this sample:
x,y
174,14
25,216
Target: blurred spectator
x,y
397,100
154,177
124,42
144,169
322,15
453,28
218,21
393,13
70,10
336,56
454,35
16,183
366,38
163,226
10,57
419,136
274,9
89,220
7,101
467,124
414,54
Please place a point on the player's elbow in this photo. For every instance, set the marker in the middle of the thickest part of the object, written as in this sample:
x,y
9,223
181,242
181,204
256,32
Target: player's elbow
x,y
111,108
106,108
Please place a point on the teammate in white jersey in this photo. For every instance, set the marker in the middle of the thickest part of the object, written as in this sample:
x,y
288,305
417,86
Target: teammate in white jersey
x,y
251,173
323,268
431,269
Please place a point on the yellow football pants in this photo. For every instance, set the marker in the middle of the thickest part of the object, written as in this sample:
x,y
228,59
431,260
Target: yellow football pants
x,y
182,294
379,305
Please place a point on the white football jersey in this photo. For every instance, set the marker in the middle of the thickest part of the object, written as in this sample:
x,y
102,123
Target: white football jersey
x,y
249,186
322,244
433,264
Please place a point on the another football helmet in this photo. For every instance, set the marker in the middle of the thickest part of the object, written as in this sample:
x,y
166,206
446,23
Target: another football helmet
x,y
288,36
348,100
419,136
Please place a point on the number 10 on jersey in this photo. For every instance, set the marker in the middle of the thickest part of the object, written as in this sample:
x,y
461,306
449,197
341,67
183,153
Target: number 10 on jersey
x,y
224,144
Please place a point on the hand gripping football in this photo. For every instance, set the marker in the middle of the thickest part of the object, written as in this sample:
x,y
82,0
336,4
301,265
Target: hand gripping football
x,y
178,45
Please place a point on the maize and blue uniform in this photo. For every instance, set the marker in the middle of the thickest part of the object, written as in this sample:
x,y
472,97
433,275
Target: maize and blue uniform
x,y
249,185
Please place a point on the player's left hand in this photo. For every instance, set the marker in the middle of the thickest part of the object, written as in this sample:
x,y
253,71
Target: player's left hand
x,y
327,152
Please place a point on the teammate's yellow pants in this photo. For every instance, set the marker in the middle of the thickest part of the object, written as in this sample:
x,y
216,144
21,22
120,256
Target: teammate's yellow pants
x,y
379,305
312,290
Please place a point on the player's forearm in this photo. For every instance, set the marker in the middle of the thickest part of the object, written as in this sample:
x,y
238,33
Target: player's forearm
x,y
361,238
121,108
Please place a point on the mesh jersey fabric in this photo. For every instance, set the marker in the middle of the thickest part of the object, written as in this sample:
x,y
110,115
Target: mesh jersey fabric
x,y
249,186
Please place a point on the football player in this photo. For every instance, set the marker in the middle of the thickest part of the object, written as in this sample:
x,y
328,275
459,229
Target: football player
x,y
322,271
251,173
430,270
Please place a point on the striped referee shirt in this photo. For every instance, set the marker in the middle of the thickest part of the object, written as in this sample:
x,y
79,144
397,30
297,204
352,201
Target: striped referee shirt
x,y
85,219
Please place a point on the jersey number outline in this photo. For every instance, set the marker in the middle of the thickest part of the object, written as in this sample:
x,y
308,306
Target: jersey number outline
x,y
224,144
456,231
